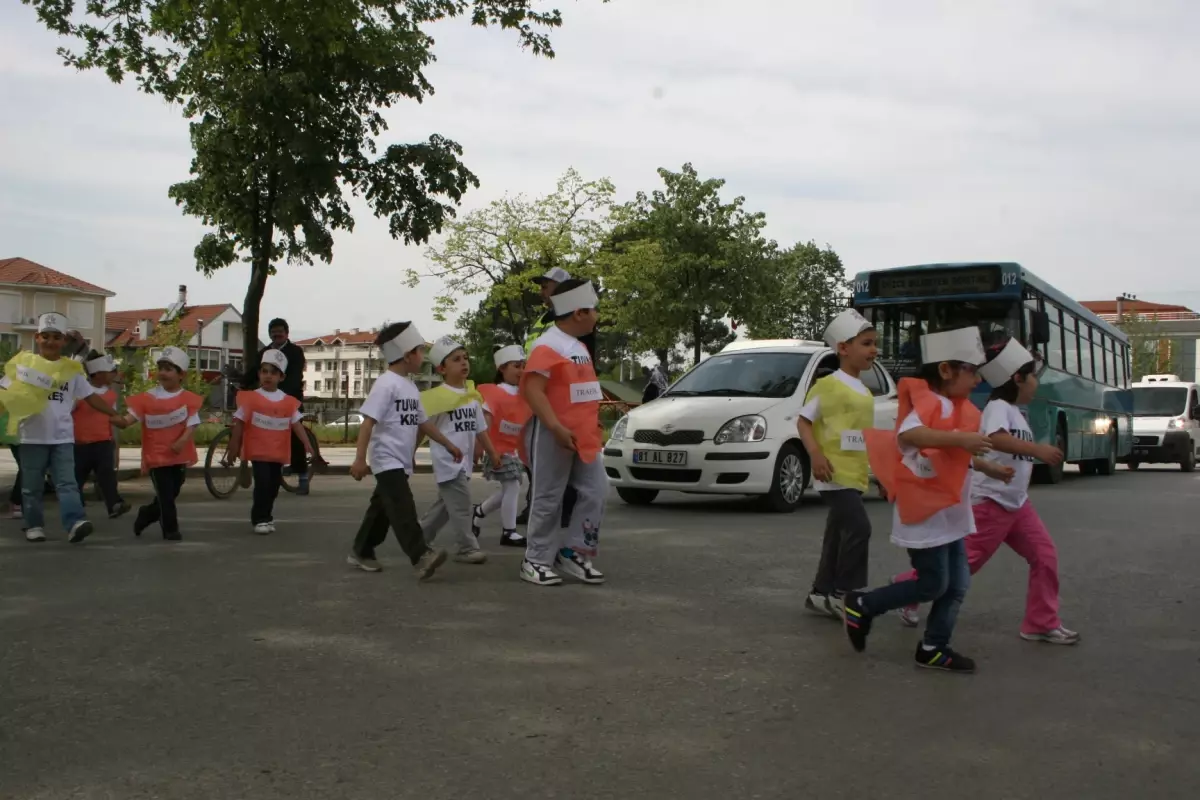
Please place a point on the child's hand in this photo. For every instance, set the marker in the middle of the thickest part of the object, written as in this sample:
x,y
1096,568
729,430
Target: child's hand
x,y
455,453
1049,454
994,470
564,437
975,443
359,469
494,457
178,445
822,470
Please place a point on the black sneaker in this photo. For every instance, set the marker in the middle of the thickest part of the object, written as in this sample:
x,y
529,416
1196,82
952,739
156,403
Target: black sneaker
x,y
943,658
173,536
80,531
140,523
119,509
476,516
858,621
511,539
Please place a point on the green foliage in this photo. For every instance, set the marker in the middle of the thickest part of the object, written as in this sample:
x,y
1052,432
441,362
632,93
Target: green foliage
x,y
806,288
139,372
1150,348
683,260
498,250
286,105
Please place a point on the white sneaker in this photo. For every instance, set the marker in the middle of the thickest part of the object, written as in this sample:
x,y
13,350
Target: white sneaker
x,y
837,608
471,557
1059,635
35,535
272,525
819,604
263,528
428,564
910,616
578,567
363,563
80,531
539,575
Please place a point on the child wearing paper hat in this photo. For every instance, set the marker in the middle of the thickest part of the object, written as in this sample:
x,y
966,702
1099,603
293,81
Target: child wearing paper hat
x,y
169,415
39,391
562,443
506,413
95,450
838,408
925,467
1002,509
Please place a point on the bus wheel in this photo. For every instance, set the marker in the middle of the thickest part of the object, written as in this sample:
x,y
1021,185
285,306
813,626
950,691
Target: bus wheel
x,y
1054,475
1133,465
1108,465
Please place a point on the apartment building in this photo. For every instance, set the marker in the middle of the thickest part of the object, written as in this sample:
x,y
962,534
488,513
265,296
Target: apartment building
x,y
341,367
29,289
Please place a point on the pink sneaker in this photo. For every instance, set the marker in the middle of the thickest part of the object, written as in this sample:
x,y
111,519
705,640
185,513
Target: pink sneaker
x,y
910,616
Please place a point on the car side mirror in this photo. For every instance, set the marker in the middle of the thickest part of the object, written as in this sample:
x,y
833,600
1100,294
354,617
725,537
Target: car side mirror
x,y
1039,322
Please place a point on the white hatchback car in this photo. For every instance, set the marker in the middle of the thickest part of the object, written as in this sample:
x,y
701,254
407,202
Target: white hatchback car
x,y
728,426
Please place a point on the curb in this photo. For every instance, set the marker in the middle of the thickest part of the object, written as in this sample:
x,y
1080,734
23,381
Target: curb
x,y
125,474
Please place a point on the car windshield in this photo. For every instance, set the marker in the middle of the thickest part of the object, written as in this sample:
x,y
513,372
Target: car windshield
x,y
901,327
744,375
1159,401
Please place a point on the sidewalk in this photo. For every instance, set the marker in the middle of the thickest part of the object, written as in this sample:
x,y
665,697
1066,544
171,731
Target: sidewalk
x,y
339,458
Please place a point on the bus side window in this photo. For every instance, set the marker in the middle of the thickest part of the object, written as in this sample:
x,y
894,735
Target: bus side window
x,y
1070,345
1054,348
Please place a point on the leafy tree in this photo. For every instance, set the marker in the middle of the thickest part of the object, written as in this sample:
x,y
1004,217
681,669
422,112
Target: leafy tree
x,y
714,336
498,250
1150,348
286,103
683,259
807,288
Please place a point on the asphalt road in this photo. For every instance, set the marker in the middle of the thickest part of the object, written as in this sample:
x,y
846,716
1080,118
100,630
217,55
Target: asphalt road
x,y
236,666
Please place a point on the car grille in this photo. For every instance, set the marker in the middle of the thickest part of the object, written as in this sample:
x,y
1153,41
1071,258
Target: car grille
x,y
1146,441
665,475
664,439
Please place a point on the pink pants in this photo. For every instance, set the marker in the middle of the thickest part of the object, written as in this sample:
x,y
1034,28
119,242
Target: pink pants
x,y
1023,531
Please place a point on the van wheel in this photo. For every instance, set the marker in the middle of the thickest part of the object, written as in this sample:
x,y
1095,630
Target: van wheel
x,y
1109,465
1189,462
1133,465
637,497
790,481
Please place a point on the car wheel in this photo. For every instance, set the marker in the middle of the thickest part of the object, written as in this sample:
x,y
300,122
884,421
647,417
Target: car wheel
x,y
1189,462
1109,465
1133,465
637,497
789,482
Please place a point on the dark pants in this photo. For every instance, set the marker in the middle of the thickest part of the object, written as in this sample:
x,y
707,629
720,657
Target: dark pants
x,y
14,497
299,465
267,475
391,506
843,566
97,457
943,577
168,481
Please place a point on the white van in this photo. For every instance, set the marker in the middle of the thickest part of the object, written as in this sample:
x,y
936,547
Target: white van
x,y
1166,422
729,426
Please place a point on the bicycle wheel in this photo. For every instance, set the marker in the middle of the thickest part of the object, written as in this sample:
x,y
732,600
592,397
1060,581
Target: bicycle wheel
x,y
288,480
222,481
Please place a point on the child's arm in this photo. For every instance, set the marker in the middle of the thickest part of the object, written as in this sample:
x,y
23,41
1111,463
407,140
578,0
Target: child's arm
x,y
993,470
358,470
486,442
430,431
533,389
180,443
235,442
923,438
822,470
302,434
1005,442
97,402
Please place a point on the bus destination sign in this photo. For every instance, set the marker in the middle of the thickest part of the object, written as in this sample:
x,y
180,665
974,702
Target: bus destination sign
x,y
935,282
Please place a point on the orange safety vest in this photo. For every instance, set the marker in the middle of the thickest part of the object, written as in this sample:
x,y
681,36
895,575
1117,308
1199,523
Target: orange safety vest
x,y
574,393
919,496
509,413
92,425
164,421
267,429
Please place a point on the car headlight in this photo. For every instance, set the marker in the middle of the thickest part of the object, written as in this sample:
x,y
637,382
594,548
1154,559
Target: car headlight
x,y
1176,424
751,428
618,431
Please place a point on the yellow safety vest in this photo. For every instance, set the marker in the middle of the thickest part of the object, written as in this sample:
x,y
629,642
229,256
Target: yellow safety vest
x,y
29,380
443,399
844,415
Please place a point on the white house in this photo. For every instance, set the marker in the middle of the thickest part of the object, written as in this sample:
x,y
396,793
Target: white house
x,y
341,367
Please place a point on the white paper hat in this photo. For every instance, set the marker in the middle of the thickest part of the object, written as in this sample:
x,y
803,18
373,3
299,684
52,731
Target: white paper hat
x,y
442,348
275,358
53,322
104,363
556,274
963,345
845,326
514,352
395,349
176,356
578,298
1000,369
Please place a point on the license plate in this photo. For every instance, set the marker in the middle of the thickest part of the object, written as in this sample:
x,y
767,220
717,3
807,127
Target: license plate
x,y
673,458
1141,452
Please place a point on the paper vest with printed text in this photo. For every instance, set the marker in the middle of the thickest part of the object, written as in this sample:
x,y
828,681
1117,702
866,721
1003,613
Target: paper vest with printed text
x,y
510,413
844,417
267,429
574,394
163,422
28,382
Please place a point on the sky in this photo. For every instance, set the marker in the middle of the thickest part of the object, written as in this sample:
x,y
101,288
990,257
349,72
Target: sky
x,y
1056,133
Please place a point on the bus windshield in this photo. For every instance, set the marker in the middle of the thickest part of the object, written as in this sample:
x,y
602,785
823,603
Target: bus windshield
x,y
900,327
1159,401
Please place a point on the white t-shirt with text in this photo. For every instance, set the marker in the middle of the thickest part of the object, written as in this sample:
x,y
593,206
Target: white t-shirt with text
x,y
460,425
564,344
395,405
949,524
54,423
999,415
812,412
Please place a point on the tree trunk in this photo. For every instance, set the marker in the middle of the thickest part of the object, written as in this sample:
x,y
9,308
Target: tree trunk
x,y
697,335
259,270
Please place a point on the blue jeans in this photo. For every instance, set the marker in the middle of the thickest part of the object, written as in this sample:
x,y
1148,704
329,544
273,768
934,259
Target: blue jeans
x,y
943,577
59,459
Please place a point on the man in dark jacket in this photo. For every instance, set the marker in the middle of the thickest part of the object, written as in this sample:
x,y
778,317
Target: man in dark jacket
x,y
292,384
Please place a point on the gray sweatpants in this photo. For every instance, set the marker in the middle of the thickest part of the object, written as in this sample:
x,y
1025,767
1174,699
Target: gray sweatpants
x,y
551,470
453,506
